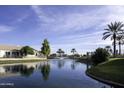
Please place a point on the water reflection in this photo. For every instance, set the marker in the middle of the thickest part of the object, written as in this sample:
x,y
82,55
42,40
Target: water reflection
x,y
73,65
27,71
61,71
16,70
45,70
61,63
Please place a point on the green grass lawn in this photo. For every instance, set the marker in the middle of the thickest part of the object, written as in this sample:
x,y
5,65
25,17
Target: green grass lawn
x,y
112,70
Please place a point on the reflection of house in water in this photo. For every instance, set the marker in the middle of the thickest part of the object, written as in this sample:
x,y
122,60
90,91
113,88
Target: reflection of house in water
x,y
19,69
5,73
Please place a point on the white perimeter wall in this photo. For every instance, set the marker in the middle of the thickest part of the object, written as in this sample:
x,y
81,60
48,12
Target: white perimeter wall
x,y
2,53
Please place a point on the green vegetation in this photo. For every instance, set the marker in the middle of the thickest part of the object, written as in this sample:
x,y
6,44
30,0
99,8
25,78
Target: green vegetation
x,y
100,55
112,70
45,49
108,48
114,30
27,50
20,61
52,56
120,42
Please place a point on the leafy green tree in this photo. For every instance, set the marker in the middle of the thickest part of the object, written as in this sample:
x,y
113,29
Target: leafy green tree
x,y
27,50
45,49
100,55
113,30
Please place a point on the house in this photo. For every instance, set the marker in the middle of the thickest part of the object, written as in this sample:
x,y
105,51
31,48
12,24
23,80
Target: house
x,y
11,51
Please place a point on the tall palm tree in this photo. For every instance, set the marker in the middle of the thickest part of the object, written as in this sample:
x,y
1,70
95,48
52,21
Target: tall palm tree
x,y
120,40
60,52
113,30
73,50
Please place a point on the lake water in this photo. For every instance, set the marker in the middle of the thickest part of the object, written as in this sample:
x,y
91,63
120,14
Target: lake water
x,y
55,73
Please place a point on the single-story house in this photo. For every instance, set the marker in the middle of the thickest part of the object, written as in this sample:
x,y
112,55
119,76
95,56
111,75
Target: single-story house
x,y
11,51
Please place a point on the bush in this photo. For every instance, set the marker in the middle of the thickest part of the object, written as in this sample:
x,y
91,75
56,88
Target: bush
x,y
53,55
99,56
27,50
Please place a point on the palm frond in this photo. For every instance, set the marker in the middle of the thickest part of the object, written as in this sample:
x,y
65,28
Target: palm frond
x,y
106,36
106,33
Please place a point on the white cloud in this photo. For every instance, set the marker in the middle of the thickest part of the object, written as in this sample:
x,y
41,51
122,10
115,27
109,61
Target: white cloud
x,y
41,15
66,22
95,21
5,28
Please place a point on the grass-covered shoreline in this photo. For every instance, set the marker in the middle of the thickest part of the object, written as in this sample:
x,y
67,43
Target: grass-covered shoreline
x,y
20,60
112,70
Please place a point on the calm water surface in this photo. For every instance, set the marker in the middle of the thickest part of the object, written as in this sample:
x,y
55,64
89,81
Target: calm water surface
x,y
52,74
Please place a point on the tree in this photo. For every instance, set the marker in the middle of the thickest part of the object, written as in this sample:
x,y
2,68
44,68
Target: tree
x,y
27,50
73,50
113,30
45,49
120,41
108,48
53,55
100,55
60,52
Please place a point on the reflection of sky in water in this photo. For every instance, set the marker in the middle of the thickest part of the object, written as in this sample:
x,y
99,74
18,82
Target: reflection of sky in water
x,y
55,73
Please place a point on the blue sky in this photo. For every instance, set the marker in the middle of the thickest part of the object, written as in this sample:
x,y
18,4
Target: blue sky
x,y
65,27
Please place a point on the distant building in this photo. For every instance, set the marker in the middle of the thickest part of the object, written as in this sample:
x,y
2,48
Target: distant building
x,y
10,51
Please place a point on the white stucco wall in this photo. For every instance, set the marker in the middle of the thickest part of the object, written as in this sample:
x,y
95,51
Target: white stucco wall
x,y
30,56
2,53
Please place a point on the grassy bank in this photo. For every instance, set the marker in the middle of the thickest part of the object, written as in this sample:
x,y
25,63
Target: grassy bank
x,y
20,60
84,60
113,70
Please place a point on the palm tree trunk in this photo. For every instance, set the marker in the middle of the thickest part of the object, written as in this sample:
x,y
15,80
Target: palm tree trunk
x,y
119,48
73,55
114,36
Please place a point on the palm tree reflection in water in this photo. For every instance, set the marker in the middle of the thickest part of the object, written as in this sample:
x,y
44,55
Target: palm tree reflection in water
x,y
73,65
61,63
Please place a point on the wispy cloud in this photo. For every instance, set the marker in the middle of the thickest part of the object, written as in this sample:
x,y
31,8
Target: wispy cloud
x,y
5,28
79,24
43,17
67,28
22,18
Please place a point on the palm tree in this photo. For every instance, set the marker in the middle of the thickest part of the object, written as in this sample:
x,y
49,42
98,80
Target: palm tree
x,y
113,30
60,52
120,40
73,51
108,48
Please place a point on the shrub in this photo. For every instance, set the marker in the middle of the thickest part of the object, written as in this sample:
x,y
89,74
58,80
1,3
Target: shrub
x,y
27,50
99,56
